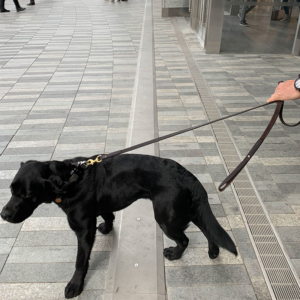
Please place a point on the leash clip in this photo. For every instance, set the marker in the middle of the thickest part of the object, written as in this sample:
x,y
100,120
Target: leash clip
x,y
93,161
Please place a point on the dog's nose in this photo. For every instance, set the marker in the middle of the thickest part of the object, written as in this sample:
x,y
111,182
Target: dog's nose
x,y
5,215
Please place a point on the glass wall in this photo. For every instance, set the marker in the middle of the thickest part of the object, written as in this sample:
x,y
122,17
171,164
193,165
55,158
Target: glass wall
x,y
207,21
199,15
175,3
266,26
175,8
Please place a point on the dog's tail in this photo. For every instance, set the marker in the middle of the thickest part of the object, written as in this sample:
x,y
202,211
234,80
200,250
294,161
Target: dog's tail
x,y
209,225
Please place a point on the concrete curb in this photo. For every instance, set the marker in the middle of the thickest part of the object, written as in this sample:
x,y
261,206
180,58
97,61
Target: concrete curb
x,y
136,267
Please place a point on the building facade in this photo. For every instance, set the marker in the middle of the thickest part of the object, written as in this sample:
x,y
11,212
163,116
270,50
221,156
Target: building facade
x,y
237,26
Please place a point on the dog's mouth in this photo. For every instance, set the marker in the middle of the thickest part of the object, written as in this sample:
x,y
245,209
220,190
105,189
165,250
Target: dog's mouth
x,y
8,217
15,215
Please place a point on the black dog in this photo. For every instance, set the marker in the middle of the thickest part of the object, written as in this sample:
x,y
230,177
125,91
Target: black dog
x,y
101,189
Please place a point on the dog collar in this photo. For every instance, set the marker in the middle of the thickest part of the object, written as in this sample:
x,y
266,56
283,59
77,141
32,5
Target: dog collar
x,y
80,166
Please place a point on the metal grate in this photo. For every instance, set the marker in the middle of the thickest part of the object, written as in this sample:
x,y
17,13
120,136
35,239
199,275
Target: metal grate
x,y
281,279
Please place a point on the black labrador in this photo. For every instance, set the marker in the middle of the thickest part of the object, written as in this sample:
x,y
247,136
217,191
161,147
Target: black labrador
x,y
178,198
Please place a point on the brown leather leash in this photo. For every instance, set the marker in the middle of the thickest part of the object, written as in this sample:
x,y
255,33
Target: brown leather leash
x,y
227,181
278,112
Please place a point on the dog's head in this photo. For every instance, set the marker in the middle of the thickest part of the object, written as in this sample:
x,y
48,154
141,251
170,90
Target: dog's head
x,y
34,184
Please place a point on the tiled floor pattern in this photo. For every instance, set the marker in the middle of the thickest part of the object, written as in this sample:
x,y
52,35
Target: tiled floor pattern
x,y
195,276
242,81
63,60
273,259
67,73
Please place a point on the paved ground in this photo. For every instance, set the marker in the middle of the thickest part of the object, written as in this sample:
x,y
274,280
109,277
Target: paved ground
x,y
66,81
67,71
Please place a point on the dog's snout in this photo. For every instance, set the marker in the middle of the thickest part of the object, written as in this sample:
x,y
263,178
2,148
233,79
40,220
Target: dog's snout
x,y
5,215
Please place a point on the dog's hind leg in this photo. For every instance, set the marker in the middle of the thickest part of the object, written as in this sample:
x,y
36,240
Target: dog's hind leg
x,y
213,249
173,223
107,225
174,230
180,239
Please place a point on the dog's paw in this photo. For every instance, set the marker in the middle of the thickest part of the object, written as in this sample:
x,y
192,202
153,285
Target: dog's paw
x,y
72,290
213,254
104,228
172,253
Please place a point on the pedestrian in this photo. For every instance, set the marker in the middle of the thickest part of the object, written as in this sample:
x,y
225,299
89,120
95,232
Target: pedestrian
x,y
244,10
17,4
287,12
287,90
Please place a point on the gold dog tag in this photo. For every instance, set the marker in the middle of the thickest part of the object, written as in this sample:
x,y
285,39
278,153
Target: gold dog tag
x,y
57,200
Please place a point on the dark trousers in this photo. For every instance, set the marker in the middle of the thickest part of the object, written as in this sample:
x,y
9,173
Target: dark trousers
x,y
15,1
286,8
245,9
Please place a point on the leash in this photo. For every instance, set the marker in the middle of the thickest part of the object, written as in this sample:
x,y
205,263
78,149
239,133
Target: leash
x,y
82,165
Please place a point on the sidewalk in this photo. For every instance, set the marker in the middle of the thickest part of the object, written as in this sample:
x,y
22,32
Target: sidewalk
x,y
67,76
66,82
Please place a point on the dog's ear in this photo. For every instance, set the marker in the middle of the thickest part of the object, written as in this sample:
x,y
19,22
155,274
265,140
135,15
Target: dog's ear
x,y
59,168
58,179
53,185
54,167
22,164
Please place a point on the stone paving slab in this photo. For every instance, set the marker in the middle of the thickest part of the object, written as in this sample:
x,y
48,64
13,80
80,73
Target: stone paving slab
x,y
67,72
66,86
179,110
235,88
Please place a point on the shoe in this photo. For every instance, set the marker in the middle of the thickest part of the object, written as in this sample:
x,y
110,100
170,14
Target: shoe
x,y
244,23
4,10
285,19
31,3
20,9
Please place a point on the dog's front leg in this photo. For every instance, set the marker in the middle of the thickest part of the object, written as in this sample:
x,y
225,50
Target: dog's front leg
x,y
85,238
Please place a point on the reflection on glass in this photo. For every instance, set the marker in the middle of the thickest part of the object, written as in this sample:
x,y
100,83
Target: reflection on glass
x,y
176,3
201,18
259,29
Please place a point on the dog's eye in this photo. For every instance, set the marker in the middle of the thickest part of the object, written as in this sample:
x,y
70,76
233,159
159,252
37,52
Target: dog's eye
x,y
27,196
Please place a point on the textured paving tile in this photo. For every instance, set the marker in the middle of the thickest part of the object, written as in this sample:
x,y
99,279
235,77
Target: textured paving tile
x,y
47,291
219,274
199,256
66,89
234,292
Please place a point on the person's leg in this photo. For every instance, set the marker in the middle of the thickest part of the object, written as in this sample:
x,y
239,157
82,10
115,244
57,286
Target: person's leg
x,y
287,12
243,12
2,8
245,9
18,6
249,9
31,2
286,8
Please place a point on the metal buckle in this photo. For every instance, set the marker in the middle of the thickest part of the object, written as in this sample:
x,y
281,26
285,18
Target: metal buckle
x,y
92,161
